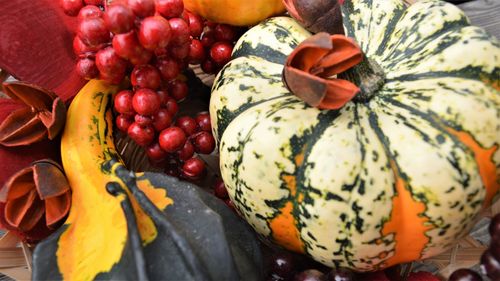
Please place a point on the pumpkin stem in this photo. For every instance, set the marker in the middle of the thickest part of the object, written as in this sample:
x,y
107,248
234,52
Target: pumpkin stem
x,y
367,75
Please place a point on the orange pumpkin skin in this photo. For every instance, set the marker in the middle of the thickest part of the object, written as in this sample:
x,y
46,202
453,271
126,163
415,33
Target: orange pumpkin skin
x,y
235,12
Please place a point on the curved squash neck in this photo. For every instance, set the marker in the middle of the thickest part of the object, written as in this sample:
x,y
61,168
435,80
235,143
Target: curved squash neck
x,y
368,76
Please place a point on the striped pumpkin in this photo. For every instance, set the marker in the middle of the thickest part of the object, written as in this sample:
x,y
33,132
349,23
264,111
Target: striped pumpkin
x,y
394,179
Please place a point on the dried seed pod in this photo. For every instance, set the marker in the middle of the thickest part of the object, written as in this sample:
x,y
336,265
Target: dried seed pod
x,y
317,15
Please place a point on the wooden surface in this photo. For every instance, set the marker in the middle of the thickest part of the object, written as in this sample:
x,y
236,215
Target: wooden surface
x,y
484,13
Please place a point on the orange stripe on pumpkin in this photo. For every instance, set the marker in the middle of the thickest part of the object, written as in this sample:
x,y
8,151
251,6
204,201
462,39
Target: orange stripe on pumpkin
x,y
485,164
407,224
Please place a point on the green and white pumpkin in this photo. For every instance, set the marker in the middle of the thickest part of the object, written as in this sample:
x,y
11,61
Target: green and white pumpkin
x,y
397,178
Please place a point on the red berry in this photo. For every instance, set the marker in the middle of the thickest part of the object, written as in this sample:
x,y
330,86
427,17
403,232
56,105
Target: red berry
x,y
123,102
109,63
79,48
154,33
208,38
220,189
464,274
282,265
195,23
187,124
163,95
113,78
180,51
211,24
87,69
340,274
142,57
208,66
186,152
126,45
119,18
94,2
203,121
224,32
204,143
89,11
146,102
169,68
490,265
162,120
143,120
309,275
178,89
123,122
172,139
172,106
142,8
196,52
221,52
180,31
93,31
494,228
193,168
142,135
71,7
146,76
155,153
422,276
170,8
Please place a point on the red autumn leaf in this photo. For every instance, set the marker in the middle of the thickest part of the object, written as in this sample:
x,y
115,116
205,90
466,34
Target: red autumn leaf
x,y
36,45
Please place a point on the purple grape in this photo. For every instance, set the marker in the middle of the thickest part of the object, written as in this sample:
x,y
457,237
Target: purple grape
x,y
282,265
490,265
309,275
340,275
464,274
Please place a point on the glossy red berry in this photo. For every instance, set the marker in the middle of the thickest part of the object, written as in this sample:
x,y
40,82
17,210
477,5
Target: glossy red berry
x,y
143,57
204,143
340,275
224,32
163,95
180,52
187,124
87,68
180,31
155,153
196,52
109,63
220,189
94,2
142,135
154,33
193,168
195,23
162,120
465,274
186,152
146,102
172,139
143,120
71,7
208,66
172,106
221,52
208,38
170,8
89,11
93,31
80,48
123,102
178,89
142,8
123,122
119,18
203,121
169,68
145,76
494,227
282,265
490,265
113,78
309,275
126,45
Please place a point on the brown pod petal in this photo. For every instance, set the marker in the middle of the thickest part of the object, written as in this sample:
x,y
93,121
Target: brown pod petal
x,y
317,15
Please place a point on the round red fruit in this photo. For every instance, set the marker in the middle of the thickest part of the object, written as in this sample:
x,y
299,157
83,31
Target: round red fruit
x,y
195,23
123,122
224,32
180,31
186,152
221,52
196,52
154,33
142,135
169,68
86,68
89,11
172,106
79,48
220,189
170,8
203,121
155,153
180,52
172,139
143,120
178,89
143,57
109,63
93,31
163,95
119,18
146,102
187,124
162,120
208,66
145,76
71,7
94,2
204,143
123,102
142,8
193,168
114,79
208,38
126,45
